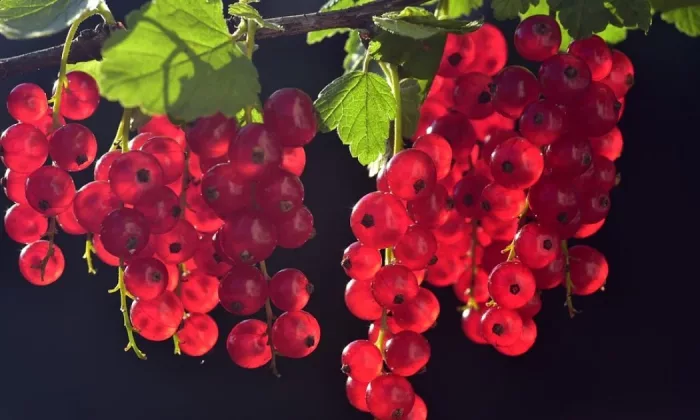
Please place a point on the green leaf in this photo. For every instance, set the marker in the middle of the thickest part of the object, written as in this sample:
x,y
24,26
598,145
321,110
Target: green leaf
x,y
582,18
687,20
360,106
613,34
22,19
418,23
178,59
459,8
333,5
419,59
633,13
411,98
509,9
666,5
355,52
92,67
246,11
256,114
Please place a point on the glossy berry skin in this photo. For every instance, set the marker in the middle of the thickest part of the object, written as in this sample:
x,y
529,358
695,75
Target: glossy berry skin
x,y
80,97
157,319
224,190
447,269
511,284
501,326
199,291
416,248
536,246
198,335
394,285
598,111
27,103
92,203
517,163
431,211
515,87
247,344
601,175
23,148
160,125
290,290
467,194
532,307
596,53
524,342
278,194
243,290
564,78
379,220
361,262
552,275
594,205
161,207
210,137
13,186
69,223
555,204
472,285
170,156
419,410
376,326
491,49
406,353
457,56
178,244
124,232
542,123
45,123
50,190
608,145
439,151
501,203
411,174
362,361
621,77
360,301
569,157
589,269
133,174
458,131
145,278
31,257
295,334
293,160
537,38
102,165
140,139
248,237
390,397
208,259
73,147
290,114
355,391
471,324
255,151
24,224
472,95
419,314
296,228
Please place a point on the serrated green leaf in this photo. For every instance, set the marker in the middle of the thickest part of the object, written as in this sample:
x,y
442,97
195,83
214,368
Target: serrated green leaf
x,y
418,23
23,19
459,8
613,34
509,9
92,67
360,106
633,13
687,20
246,11
329,6
418,59
666,5
355,52
376,166
411,99
583,18
178,59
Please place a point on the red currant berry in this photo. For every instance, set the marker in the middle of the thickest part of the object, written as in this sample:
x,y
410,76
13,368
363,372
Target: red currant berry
x,y
102,253
73,147
596,53
356,391
198,335
133,174
467,194
589,269
419,410
27,103
13,184
492,52
600,175
379,220
248,237
501,203
598,111
290,290
124,233
501,326
621,77
416,248
390,397
472,95
210,137
178,244
360,301
531,308
50,190
32,257
554,204
93,203
199,291
588,230
447,269
243,291
170,156
517,163
208,259
24,225
161,207
376,326
224,190
420,314
411,174
537,37
45,123
362,361
458,131
457,55
536,246
431,211
247,344
80,97
279,194
542,123
491,141
608,145
524,342
160,125
514,88
471,325
564,78
472,284
69,223
101,172
407,353
439,151
290,114
255,151
361,262
137,142
23,148
295,334
394,285
511,284
157,319
594,205
296,228
146,278
293,160
568,157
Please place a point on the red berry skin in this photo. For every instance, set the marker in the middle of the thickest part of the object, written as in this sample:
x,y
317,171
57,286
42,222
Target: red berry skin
x,y
537,38
524,342
439,151
467,194
198,335
169,154
255,151
243,290
501,326
124,232
407,353
472,95
419,410
24,225
536,246
279,194
457,56
199,291
511,284
411,174
596,53
30,259
93,203
45,123
601,175
375,327
589,270
446,270
73,147
621,77
471,324
431,211
492,50
101,172
362,361
360,301
210,137
594,205
393,285
379,220
355,391
462,288
555,204
420,314
361,262
224,190
564,78
145,278
23,148
588,229
532,307
295,334
390,397
290,290
133,174
247,344
102,253
458,131
140,139
416,248
290,114
157,319
80,97
161,207
552,275
178,244
27,103
608,145
208,259
501,203
598,110
296,229
515,88
248,238
13,186
160,125
569,157
293,160
50,190
517,163
69,223
542,123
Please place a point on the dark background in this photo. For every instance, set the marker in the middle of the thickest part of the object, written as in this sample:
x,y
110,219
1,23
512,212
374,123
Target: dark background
x,y
61,346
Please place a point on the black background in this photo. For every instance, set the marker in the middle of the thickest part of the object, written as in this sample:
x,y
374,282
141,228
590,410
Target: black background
x,y
61,346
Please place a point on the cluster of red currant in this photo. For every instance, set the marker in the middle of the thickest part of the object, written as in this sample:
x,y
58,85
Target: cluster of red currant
x,y
184,214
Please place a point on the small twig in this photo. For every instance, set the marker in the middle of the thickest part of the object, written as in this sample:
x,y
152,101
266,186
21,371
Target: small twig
x,y
270,319
125,313
567,278
51,234
87,256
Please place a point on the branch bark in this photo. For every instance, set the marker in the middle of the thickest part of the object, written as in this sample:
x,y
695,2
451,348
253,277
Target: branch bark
x,y
88,44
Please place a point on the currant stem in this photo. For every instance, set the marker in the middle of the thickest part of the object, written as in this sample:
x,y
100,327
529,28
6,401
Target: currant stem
x,y
270,319
176,344
392,74
87,256
383,324
127,321
250,49
567,278
106,14
511,247
471,302
366,61
51,234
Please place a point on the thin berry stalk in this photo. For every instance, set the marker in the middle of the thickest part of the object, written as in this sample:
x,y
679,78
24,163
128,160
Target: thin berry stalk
x,y
127,321
270,318
567,279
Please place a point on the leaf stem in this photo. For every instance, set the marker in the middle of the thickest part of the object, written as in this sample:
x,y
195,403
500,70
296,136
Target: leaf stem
x,y
442,9
567,279
392,74
366,61
87,256
106,14
270,316
127,321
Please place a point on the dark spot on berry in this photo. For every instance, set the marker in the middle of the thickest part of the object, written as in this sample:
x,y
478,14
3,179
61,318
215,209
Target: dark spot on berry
x,y
433,260
514,289
486,206
454,59
562,218
258,156
346,263
478,222
538,118
156,277
397,414
586,159
309,288
143,175
498,329
309,341
236,307
212,194
468,200
617,106
418,186
367,221
399,299
604,202
216,258
43,205
484,98
175,247
541,29
345,369
629,80
547,244
449,203
80,159
507,167
492,88
245,255
570,72
131,243
176,211
286,205
541,97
